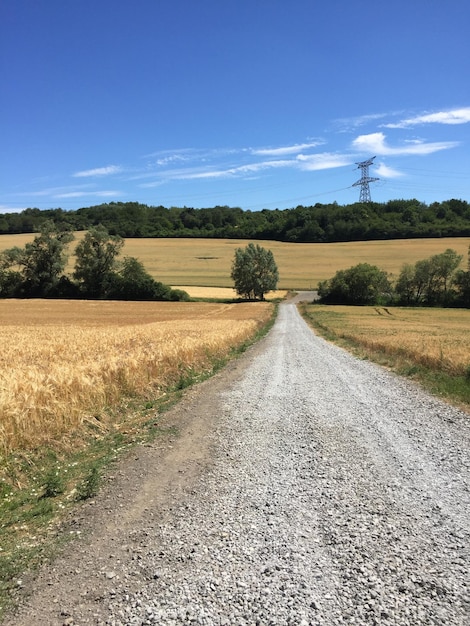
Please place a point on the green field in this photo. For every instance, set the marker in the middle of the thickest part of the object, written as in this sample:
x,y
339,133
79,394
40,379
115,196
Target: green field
x,y
207,262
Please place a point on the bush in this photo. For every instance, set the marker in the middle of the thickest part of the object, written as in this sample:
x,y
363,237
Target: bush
x,y
361,284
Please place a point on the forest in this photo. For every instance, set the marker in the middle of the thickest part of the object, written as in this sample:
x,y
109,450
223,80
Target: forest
x,y
395,219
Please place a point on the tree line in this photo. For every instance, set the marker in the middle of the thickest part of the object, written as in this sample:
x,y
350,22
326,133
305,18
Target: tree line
x,y
435,281
395,219
38,269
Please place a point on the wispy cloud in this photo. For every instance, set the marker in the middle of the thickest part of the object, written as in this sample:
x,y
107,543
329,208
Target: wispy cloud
x,y
80,194
323,161
347,124
453,116
286,150
99,171
375,143
239,170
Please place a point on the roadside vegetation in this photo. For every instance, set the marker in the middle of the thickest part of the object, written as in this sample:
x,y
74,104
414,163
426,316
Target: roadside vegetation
x,y
429,345
81,382
436,281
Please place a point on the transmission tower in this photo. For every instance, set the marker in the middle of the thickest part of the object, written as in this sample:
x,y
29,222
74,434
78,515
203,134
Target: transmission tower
x,y
365,179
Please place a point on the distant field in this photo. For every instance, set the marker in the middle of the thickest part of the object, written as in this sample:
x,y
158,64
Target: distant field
x,y
223,292
207,262
62,362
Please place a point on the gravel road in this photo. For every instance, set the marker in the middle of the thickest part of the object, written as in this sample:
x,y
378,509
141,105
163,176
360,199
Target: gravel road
x,y
307,488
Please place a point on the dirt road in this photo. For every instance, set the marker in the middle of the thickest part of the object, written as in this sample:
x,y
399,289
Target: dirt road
x,y
307,487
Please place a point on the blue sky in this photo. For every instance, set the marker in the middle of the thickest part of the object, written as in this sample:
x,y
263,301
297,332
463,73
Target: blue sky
x,y
249,103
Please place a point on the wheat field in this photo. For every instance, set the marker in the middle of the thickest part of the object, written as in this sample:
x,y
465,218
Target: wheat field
x,y
207,262
63,362
433,337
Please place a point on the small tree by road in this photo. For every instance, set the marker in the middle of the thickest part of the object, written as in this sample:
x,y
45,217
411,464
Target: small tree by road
x,y
361,284
254,272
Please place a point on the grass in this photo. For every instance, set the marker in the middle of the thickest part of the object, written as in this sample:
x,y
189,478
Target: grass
x,y
430,345
86,382
207,262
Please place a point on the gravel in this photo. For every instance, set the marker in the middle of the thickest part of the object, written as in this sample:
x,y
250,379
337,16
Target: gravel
x,y
337,493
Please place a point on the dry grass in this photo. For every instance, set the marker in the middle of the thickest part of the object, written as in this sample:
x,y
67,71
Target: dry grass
x,y
436,338
63,362
207,262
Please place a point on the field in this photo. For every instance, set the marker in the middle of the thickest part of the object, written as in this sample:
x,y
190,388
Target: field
x,y
63,362
207,262
438,339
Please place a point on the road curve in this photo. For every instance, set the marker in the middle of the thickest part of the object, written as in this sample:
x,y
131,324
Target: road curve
x,y
330,492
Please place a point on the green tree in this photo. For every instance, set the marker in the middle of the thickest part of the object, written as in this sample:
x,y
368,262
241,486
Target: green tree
x,y
37,269
361,284
11,278
96,261
429,281
462,283
132,282
44,260
254,271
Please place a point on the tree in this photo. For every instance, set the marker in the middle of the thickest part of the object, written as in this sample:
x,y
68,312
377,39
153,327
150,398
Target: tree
x,y
11,278
97,261
39,265
361,284
429,281
254,271
44,260
462,282
132,282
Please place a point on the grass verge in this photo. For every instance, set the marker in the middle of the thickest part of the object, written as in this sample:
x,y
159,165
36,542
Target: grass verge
x,y
40,487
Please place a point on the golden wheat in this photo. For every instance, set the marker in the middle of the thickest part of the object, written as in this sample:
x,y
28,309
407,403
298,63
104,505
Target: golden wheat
x,y
64,361
223,292
207,262
437,338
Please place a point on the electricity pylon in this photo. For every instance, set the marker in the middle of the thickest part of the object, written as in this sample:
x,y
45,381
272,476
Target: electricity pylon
x,y
365,179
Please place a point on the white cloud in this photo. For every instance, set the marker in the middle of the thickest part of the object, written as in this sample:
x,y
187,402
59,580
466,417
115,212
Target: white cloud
x,y
375,143
348,124
8,209
230,171
99,171
80,194
285,150
385,171
455,116
323,161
